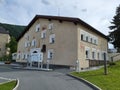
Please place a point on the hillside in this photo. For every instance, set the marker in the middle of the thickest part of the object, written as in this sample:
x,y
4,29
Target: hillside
x,y
14,30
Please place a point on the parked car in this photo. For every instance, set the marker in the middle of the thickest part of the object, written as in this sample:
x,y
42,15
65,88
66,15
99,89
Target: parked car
x,y
7,62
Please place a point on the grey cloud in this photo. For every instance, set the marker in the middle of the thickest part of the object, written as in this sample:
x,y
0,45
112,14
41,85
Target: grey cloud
x,y
84,10
46,2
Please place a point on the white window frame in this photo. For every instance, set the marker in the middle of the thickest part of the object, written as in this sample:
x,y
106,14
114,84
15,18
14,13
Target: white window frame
x,y
50,51
18,55
88,50
34,42
52,36
94,50
50,26
22,56
43,34
26,56
25,44
37,27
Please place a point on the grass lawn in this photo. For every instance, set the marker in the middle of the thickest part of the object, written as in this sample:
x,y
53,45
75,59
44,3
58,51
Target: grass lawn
x,y
105,82
8,86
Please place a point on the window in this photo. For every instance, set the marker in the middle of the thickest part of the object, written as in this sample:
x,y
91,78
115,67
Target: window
x,y
38,28
87,54
52,38
50,26
93,55
94,41
81,36
50,54
27,37
18,56
22,55
25,44
28,43
91,40
43,34
26,56
43,48
87,38
33,42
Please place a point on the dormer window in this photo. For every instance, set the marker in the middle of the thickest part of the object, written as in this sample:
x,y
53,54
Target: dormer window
x,y
37,27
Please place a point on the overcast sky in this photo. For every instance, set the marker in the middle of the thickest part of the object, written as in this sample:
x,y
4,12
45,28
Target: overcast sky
x,y
97,13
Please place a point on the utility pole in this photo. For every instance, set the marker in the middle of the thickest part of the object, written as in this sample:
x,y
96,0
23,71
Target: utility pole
x,y
105,64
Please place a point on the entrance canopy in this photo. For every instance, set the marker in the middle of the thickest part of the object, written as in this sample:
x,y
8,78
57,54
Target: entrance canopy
x,y
36,55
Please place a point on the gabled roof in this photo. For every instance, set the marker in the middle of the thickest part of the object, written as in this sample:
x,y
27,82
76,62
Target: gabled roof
x,y
3,30
69,19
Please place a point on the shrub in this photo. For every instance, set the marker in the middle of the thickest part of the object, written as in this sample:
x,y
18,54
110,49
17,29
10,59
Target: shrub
x,y
112,63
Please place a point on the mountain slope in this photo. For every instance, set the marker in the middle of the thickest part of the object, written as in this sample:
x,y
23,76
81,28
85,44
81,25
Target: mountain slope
x,y
14,30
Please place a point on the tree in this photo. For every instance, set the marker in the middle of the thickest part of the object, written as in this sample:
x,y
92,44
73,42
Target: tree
x,y
114,35
12,45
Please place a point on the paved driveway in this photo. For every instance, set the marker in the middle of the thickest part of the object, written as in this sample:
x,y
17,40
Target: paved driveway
x,y
41,80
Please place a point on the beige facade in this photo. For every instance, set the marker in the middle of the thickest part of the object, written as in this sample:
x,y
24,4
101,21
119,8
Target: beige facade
x,y
4,39
63,41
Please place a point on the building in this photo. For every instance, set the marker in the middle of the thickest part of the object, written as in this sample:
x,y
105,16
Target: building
x,y
4,39
62,41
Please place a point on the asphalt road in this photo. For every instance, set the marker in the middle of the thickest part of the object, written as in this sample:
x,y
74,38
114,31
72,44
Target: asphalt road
x,y
41,80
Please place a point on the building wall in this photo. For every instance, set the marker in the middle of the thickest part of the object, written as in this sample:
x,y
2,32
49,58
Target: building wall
x,y
4,39
100,47
114,57
65,46
68,47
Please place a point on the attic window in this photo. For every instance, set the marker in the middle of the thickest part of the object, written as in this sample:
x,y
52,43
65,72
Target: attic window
x,y
37,27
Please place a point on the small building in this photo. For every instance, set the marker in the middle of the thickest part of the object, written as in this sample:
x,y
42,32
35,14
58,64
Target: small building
x,y
4,39
62,41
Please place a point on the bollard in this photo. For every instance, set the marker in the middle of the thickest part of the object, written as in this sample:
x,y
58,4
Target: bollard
x,y
48,64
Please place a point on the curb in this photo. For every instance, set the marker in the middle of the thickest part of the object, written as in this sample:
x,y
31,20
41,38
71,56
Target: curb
x,y
9,80
16,87
86,82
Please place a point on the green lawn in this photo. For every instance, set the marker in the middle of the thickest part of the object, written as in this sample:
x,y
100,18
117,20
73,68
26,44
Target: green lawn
x,y
105,82
8,86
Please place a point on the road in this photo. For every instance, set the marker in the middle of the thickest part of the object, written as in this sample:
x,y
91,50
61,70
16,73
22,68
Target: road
x,y
42,80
